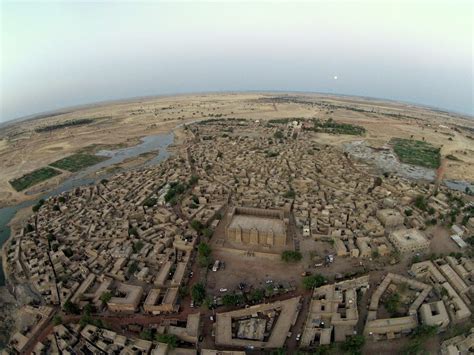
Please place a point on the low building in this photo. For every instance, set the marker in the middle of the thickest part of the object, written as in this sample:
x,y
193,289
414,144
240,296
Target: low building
x,y
434,314
127,299
409,240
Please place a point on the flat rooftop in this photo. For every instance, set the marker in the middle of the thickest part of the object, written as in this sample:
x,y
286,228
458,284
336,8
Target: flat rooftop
x,y
266,224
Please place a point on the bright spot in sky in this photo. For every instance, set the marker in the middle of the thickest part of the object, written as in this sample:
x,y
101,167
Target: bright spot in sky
x,y
335,77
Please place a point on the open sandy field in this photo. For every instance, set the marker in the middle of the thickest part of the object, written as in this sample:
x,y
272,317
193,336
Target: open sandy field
x,y
26,146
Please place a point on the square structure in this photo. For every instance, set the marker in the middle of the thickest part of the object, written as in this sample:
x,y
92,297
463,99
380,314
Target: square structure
x,y
257,226
409,240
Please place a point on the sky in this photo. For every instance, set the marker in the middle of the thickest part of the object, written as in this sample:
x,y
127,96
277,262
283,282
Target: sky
x,y
64,53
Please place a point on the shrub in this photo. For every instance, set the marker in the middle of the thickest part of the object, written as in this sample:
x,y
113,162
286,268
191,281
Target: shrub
x,y
198,293
310,282
291,256
232,299
353,344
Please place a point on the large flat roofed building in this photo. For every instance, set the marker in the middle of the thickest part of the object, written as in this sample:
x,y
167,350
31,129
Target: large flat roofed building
x,y
128,298
409,240
261,326
256,226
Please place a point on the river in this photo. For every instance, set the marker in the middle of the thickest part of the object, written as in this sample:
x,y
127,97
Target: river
x,y
158,142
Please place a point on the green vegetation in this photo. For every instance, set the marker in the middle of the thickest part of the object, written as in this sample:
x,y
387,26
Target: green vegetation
x,y
146,334
270,154
332,127
169,339
204,254
38,205
137,246
193,180
257,295
132,231
77,162
310,282
201,228
291,256
232,299
392,303
150,202
33,178
281,120
133,267
416,152
71,308
176,189
408,212
197,225
278,134
79,122
198,293
353,344
290,194
418,339
57,320
87,318
68,252
105,297
420,202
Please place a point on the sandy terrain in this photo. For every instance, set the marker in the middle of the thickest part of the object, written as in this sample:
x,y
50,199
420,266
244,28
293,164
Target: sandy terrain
x,y
22,149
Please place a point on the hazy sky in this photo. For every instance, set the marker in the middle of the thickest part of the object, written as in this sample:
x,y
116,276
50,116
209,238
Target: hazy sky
x,y
58,54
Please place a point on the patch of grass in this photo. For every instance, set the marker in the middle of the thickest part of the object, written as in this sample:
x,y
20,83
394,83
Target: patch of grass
x,y
33,178
77,162
416,152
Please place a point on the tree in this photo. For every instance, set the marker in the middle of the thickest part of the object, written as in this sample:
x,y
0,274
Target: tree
x,y
198,293
278,134
57,320
137,246
353,344
408,212
232,299
392,303
133,268
257,295
105,297
68,252
71,308
193,180
207,232
147,334
291,256
169,339
290,194
420,202
204,249
313,281
150,202
196,225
